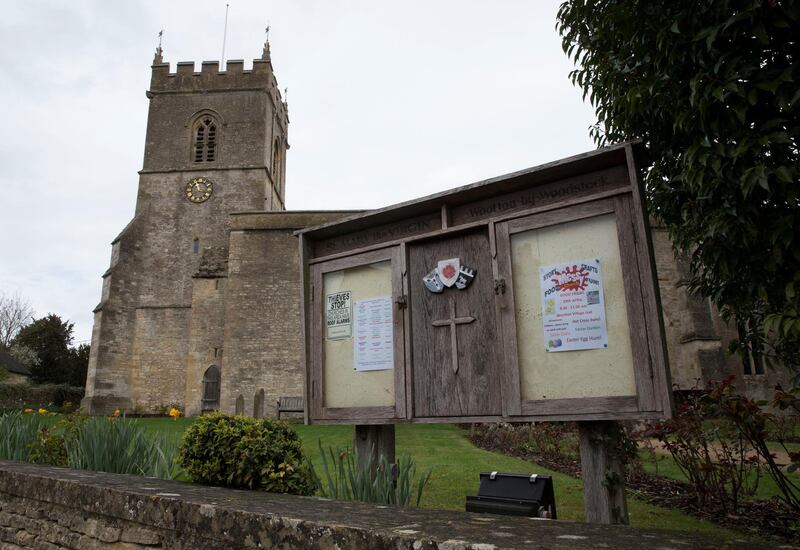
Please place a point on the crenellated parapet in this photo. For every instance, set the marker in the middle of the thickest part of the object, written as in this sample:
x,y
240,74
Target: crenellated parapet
x,y
210,78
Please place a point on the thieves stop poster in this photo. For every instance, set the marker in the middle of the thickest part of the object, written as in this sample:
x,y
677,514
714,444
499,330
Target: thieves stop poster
x,y
573,308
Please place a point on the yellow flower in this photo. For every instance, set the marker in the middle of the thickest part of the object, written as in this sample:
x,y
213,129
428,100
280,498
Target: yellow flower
x,y
28,411
42,411
116,413
174,412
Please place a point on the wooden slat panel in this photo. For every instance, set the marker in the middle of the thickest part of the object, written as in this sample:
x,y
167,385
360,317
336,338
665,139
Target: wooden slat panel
x,y
349,414
461,228
556,192
650,294
407,339
305,320
567,214
424,223
642,366
507,324
398,328
356,260
316,392
609,415
475,387
583,405
559,170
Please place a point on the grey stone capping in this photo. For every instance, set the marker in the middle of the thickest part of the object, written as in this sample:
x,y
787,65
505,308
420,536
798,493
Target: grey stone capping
x,y
176,514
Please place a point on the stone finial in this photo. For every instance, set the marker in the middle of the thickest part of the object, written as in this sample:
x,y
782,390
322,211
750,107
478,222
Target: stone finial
x,y
159,58
265,54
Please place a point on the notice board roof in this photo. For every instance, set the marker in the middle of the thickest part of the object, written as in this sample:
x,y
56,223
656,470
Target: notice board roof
x,y
585,162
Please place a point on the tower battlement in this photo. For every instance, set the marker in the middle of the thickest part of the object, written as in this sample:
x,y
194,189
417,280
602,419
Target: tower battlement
x,y
211,78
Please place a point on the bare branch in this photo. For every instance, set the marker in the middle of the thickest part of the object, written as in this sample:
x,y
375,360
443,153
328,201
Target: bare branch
x,y
15,313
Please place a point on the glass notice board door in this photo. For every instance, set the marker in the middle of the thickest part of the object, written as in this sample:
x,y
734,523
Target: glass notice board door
x,y
570,347
358,362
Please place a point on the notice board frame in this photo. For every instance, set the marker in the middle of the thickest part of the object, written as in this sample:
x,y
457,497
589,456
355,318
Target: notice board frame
x,y
600,182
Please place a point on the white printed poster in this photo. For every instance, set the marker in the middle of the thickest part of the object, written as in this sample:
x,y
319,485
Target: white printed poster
x,y
338,315
573,308
374,338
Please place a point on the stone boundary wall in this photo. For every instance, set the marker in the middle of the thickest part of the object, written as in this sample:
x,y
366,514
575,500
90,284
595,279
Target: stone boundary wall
x,y
48,508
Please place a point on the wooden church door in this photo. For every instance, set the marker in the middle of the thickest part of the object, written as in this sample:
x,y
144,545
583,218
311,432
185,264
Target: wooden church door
x,y
454,334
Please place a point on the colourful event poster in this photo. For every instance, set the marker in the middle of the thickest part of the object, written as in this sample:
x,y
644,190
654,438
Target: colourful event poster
x,y
573,308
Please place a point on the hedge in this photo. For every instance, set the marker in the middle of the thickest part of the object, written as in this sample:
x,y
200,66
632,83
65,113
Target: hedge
x,y
15,396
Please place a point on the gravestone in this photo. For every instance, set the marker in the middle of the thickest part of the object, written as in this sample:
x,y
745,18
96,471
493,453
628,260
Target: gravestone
x,y
530,296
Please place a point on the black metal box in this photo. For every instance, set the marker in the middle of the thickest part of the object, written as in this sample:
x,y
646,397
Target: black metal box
x,y
514,495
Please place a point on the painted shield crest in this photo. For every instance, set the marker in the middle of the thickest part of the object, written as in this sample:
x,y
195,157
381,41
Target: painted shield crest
x,y
448,271
465,276
433,283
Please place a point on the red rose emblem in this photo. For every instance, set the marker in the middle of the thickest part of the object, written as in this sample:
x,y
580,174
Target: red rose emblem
x,y
448,271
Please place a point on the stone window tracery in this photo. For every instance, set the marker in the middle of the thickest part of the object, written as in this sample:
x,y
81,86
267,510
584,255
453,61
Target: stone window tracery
x,y
205,137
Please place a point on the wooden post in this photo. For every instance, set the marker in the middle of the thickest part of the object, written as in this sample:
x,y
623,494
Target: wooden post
x,y
375,439
603,473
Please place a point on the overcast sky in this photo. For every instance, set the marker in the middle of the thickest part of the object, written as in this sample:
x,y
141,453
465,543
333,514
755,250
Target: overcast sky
x,y
387,101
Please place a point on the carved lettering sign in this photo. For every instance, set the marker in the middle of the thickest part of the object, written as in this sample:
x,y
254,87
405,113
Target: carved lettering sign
x,y
389,232
590,184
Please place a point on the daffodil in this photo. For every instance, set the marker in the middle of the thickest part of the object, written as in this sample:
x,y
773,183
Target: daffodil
x,y
28,411
117,412
42,411
174,412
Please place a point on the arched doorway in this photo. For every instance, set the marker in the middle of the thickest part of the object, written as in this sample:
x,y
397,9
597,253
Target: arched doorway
x,y
210,401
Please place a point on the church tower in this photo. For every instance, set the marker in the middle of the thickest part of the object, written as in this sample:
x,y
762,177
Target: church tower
x,y
215,145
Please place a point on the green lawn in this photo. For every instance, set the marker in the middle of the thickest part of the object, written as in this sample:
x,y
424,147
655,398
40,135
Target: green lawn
x,y
456,464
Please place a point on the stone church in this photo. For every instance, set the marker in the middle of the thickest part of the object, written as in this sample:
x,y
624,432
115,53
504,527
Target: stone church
x,y
200,305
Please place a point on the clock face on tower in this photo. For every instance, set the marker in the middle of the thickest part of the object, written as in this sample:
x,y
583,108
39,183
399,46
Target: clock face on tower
x,y
199,189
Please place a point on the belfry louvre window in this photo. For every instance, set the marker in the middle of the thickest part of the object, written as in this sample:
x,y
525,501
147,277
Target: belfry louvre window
x,y
205,140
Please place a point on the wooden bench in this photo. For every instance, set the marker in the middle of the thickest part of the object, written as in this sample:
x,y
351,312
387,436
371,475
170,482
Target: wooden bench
x,y
290,404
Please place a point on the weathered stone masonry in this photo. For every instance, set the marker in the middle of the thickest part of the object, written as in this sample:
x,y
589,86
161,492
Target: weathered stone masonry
x,y
47,508
161,321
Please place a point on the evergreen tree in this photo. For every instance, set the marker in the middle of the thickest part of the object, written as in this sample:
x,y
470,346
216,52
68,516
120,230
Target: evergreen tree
x,y
711,88
50,339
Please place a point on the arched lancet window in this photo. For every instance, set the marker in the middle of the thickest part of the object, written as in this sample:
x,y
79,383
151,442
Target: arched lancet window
x,y
211,389
277,163
258,404
240,404
205,138
196,246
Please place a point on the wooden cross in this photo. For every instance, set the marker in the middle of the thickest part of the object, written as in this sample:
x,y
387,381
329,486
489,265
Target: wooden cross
x,y
453,322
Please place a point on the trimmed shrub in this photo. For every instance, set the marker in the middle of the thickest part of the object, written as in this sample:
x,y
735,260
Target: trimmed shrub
x,y
245,453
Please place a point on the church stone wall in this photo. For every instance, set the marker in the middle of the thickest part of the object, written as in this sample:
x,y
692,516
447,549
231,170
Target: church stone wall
x,y
108,377
205,337
262,308
145,326
174,222
694,348
244,121
159,356
697,337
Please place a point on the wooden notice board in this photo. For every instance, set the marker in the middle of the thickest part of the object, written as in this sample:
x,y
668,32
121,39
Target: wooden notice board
x,y
530,296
